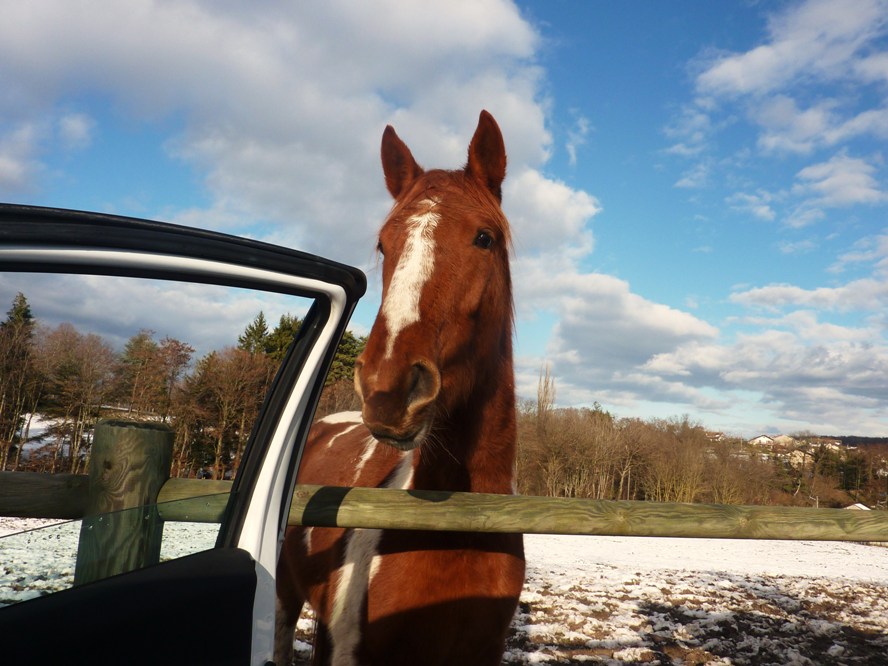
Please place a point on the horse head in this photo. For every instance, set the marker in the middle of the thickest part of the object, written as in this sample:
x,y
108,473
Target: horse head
x,y
443,331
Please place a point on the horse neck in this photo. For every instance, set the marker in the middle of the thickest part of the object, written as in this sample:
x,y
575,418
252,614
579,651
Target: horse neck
x,y
473,447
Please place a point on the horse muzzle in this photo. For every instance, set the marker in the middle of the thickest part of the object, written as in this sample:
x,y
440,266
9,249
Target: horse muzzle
x,y
398,412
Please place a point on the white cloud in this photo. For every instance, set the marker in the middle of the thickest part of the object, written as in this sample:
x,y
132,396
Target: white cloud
x,y
811,355
207,317
797,247
758,204
603,331
75,130
18,163
814,82
873,67
818,38
859,295
785,127
841,181
695,178
866,250
804,215
283,108
576,137
813,373
548,216
806,324
691,130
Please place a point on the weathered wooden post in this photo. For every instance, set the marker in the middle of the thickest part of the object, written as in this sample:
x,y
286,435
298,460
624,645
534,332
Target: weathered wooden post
x,y
122,531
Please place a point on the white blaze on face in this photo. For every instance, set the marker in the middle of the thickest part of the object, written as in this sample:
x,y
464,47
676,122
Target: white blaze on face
x,y
401,306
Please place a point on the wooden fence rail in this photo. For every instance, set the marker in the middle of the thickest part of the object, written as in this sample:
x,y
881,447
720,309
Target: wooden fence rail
x,y
405,509
33,495
204,501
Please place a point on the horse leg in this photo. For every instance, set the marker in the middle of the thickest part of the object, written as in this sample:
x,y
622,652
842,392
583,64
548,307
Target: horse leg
x,y
322,651
285,626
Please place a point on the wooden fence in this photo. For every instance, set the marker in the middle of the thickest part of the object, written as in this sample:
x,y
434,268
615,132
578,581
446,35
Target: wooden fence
x,y
130,468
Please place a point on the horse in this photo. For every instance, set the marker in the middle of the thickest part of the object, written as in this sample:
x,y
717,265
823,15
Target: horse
x,y
436,384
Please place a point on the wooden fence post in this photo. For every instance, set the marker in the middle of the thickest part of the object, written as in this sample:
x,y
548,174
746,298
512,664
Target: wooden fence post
x,y
129,464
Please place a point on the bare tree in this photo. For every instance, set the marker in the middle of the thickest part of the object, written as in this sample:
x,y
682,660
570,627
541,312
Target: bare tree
x,y
676,469
174,357
79,371
227,391
545,396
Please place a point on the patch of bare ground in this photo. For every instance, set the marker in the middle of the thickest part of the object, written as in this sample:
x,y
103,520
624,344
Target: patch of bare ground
x,y
713,620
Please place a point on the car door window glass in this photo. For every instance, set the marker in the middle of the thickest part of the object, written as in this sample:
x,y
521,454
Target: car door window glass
x,y
82,350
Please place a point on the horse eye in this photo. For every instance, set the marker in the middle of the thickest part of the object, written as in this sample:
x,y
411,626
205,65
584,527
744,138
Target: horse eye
x,y
379,248
483,240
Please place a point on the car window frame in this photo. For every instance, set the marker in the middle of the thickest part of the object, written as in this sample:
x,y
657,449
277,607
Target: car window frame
x,y
51,240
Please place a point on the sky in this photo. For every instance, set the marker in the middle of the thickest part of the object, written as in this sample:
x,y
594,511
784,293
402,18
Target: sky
x,y
698,190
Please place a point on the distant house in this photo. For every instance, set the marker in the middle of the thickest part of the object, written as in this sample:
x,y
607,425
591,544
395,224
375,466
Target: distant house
x,y
714,436
797,458
827,443
784,440
762,440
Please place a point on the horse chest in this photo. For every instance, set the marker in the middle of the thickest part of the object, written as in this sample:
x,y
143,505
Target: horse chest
x,y
417,569
400,594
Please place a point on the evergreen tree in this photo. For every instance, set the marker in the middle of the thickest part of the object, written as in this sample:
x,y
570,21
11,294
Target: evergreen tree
x,y
255,337
18,381
280,339
19,315
343,366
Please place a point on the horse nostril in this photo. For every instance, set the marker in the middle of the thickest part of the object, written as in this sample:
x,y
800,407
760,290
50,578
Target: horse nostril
x,y
425,385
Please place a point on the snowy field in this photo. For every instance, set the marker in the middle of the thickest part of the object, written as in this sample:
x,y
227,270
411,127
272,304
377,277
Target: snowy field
x,y
633,600
620,600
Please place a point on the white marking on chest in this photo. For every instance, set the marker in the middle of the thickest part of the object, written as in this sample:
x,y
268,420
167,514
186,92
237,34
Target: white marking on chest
x,y
401,306
341,433
342,417
369,450
360,564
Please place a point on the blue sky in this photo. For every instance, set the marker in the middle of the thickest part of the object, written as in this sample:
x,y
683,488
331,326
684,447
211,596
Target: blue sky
x,y
698,190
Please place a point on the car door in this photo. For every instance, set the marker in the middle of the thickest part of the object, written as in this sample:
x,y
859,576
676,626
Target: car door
x,y
214,606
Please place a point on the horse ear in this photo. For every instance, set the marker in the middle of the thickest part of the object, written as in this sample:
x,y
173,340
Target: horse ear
x,y
487,155
398,165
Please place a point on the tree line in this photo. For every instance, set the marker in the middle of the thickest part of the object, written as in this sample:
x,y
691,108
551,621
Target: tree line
x,y
72,379
590,453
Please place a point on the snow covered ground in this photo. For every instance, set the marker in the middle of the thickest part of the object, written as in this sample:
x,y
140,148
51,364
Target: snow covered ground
x,y
37,556
620,600
632,600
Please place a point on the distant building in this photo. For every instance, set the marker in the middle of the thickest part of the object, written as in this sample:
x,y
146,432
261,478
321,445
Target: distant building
x,y
784,440
797,458
827,443
762,440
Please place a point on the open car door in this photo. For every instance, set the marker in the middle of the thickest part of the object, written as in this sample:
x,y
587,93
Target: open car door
x,y
216,605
